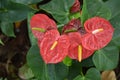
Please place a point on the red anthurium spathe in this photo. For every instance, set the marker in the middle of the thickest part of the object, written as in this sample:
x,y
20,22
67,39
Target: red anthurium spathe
x,y
76,50
99,33
75,7
72,26
54,48
40,23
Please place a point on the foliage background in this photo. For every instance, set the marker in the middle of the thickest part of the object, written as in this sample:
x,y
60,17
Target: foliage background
x,y
19,53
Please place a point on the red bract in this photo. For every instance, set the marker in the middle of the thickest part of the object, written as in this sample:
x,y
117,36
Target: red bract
x,y
99,33
76,50
75,7
40,23
73,25
54,47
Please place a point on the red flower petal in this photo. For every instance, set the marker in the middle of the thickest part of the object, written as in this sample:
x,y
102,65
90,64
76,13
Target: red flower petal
x,y
74,24
43,22
60,50
75,7
99,34
75,41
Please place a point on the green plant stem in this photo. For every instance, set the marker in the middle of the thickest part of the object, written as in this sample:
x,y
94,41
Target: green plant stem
x,y
1,42
81,71
39,29
46,72
71,30
75,15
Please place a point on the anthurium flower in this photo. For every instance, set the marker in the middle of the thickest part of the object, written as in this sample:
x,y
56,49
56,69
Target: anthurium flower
x,y
54,48
72,26
99,33
75,7
76,50
40,23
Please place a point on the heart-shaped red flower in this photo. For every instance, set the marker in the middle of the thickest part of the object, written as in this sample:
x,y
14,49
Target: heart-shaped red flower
x,y
99,33
40,23
76,50
54,48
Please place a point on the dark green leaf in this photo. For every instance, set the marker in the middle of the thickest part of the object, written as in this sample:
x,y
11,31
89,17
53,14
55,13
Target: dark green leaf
x,y
35,62
116,37
59,9
43,71
74,70
91,72
89,75
81,78
33,40
93,8
57,72
87,62
12,12
106,58
27,1
116,24
85,14
114,6
103,12
115,21
8,29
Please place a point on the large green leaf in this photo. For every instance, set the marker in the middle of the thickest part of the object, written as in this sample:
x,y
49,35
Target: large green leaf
x,y
87,62
115,21
93,8
89,75
33,40
11,12
35,62
27,1
74,70
106,58
57,72
114,6
7,28
85,14
116,24
116,37
43,71
91,72
59,9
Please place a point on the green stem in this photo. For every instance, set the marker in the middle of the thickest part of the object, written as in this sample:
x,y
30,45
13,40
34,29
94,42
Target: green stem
x,y
71,30
39,29
75,15
1,42
46,72
81,71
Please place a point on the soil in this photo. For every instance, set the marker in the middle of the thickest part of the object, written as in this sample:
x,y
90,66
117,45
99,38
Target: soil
x,y
13,52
